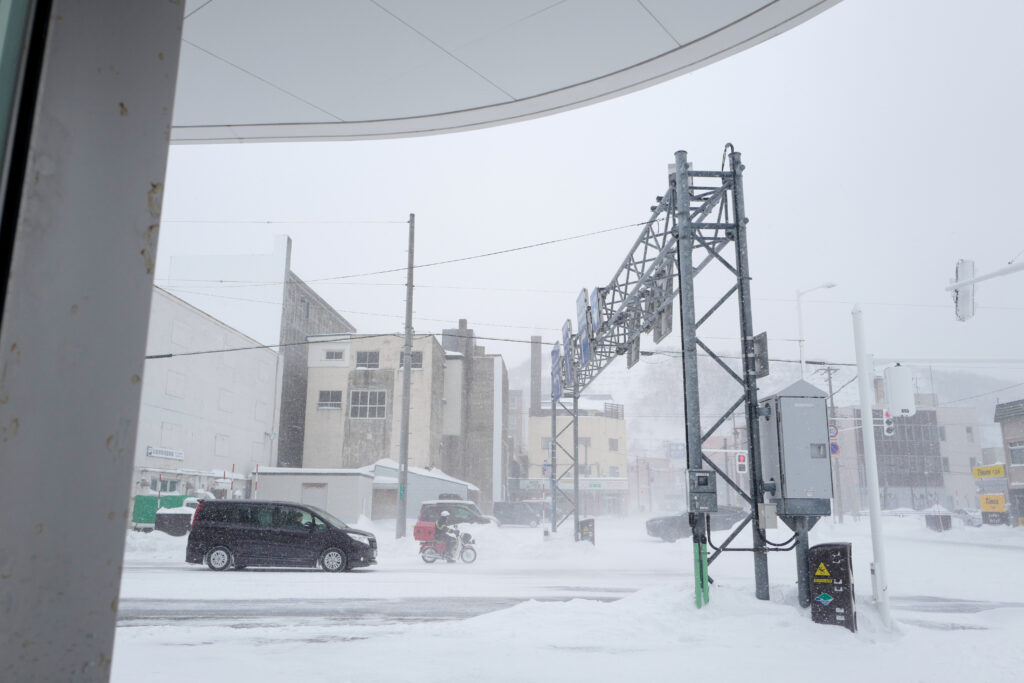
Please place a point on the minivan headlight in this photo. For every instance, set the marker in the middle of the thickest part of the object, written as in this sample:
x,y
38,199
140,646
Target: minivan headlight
x,y
360,538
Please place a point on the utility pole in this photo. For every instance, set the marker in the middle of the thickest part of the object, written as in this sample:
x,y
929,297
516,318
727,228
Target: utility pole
x,y
828,372
403,449
865,372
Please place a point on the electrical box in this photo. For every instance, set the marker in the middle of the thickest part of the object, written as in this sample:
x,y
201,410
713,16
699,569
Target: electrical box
x,y
703,491
830,573
795,451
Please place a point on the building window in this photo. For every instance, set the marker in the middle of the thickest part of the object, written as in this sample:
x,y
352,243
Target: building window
x,y
945,464
1016,452
163,485
329,400
613,444
613,471
417,359
368,404
334,354
368,359
970,434
942,433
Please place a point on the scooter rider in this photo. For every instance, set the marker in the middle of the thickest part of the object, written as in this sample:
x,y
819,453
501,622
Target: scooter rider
x,y
446,532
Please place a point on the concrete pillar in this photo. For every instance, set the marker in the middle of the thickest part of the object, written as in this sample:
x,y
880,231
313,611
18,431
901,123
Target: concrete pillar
x,y
73,331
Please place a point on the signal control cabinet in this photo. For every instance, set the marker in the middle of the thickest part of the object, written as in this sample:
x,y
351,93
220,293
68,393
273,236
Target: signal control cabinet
x,y
795,451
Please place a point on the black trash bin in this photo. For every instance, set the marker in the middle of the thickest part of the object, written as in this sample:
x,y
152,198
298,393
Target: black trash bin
x,y
939,522
173,523
587,530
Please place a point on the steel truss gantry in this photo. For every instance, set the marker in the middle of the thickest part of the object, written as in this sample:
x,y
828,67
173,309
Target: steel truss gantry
x,y
691,227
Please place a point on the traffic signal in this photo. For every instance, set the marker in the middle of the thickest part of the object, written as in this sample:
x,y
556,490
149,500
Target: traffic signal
x,y
741,463
888,424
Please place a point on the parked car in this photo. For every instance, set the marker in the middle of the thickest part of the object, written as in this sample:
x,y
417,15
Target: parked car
x,y
250,533
673,527
528,513
462,512
969,517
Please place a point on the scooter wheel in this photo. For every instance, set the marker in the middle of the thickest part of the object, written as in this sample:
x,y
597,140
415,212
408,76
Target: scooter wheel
x,y
468,555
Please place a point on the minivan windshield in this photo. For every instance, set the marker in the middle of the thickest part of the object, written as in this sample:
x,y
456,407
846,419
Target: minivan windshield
x,y
328,517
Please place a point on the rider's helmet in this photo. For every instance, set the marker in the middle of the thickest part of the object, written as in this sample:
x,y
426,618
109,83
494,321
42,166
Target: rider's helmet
x,y
444,513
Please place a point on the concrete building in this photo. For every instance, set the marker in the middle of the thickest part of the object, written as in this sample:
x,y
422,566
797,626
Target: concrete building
x,y
354,400
206,420
458,406
1010,417
422,485
475,445
927,461
345,493
960,450
296,311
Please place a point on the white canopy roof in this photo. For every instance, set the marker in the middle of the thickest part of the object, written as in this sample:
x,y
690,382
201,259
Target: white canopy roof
x,y
350,69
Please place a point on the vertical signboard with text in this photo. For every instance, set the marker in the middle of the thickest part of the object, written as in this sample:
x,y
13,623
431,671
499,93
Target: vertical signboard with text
x,y
583,327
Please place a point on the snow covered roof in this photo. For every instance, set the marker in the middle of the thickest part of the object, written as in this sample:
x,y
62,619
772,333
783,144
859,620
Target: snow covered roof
x,y
434,473
310,470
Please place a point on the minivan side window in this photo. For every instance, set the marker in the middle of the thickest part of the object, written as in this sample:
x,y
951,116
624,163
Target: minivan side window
x,y
264,516
293,518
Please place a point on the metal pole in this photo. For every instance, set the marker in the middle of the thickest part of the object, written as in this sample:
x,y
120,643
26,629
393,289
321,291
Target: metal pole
x,y
688,339
553,447
981,278
576,457
403,449
865,373
749,375
835,459
802,577
800,333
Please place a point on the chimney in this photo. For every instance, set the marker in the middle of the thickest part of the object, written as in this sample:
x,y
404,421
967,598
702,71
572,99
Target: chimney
x,y
535,351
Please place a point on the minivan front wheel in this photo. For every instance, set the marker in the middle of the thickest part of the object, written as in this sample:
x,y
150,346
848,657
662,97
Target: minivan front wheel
x,y
333,560
218,558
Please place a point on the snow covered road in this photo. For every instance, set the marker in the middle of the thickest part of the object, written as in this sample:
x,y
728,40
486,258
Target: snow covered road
x,y
517,613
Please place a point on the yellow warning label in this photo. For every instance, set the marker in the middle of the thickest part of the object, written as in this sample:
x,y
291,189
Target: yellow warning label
x,y
821,570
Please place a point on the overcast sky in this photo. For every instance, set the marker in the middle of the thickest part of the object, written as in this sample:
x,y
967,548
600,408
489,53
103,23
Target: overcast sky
x,y
881,141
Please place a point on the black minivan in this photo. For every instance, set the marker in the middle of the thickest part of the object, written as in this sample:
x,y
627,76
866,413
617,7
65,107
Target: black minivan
x,y
251,533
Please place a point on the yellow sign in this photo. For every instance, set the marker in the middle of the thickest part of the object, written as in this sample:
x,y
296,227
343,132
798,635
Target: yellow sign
x,y
986,471
993,502
822,572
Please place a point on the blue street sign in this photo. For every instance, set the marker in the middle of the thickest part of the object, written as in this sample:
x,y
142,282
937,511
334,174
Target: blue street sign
x,y
595,312
583,326
568,374
556,376
833,448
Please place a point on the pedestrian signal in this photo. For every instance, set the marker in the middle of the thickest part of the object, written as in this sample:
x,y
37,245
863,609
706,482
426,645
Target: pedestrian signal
x,y
888,424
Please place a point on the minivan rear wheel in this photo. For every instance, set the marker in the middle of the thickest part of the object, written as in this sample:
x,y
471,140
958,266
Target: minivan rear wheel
x,y
218,558
333,560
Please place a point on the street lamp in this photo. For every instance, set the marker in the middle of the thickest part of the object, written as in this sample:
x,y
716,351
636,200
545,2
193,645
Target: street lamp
x,y
800,318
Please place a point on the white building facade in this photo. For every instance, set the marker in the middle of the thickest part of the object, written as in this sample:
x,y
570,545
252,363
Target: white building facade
x,y
207,414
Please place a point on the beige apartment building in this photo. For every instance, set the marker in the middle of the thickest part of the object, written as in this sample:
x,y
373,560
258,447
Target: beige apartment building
x,y
458,406
354,400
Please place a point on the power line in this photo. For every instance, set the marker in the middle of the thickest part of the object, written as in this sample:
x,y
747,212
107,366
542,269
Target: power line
x,y
534,245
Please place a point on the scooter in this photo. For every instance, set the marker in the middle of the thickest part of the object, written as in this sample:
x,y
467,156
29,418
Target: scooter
x,y
464,549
